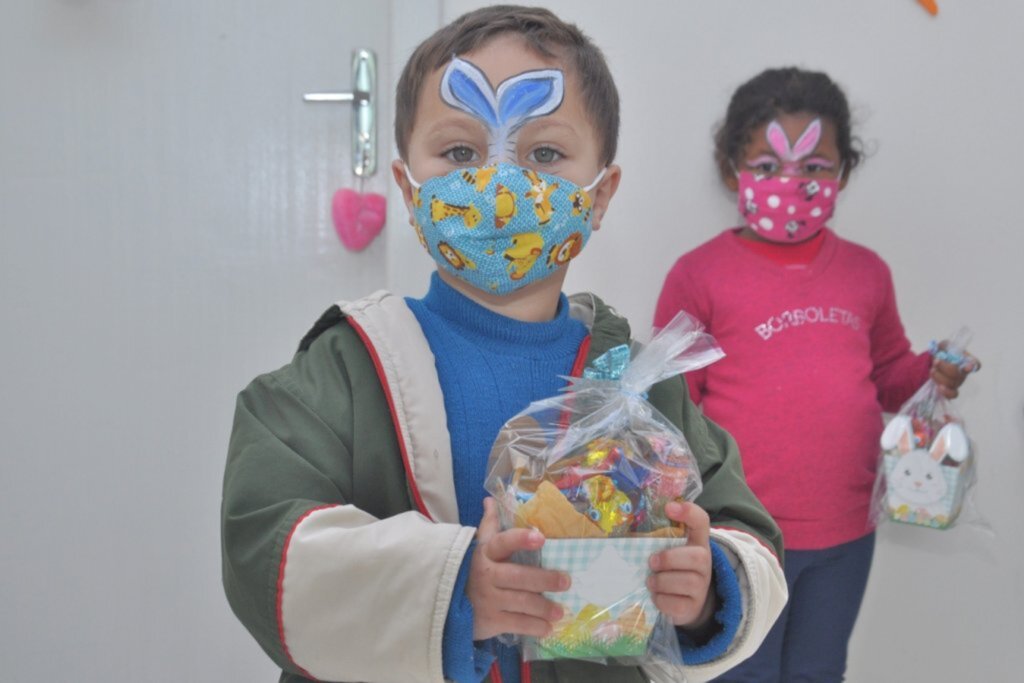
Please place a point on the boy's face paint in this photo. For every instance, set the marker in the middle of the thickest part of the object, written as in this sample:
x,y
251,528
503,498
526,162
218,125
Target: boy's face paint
x,y
504,110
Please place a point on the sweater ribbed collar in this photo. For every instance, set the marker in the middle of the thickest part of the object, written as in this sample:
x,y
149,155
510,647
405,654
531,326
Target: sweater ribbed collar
x,y
804,272
553,338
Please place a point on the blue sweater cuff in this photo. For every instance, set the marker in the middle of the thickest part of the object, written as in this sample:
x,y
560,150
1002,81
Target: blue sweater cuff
x,y
728,616
463,660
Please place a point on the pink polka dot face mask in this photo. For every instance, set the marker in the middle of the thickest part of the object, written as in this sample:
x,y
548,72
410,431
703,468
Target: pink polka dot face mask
x,y
786,209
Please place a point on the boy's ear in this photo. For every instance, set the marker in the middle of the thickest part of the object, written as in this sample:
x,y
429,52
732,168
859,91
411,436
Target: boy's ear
x,y
603,194
402,180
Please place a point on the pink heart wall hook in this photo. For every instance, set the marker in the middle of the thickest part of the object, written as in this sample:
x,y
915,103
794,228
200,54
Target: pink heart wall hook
x,y
358,218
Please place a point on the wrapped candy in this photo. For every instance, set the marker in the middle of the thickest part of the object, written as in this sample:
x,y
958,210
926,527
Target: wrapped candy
x,y
927,464
593,469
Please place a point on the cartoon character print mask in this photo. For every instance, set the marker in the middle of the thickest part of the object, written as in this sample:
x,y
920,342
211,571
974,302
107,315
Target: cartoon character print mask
x,y
788,208
501,226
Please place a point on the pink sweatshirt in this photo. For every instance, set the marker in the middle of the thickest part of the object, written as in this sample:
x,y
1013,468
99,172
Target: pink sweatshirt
x,y
814,354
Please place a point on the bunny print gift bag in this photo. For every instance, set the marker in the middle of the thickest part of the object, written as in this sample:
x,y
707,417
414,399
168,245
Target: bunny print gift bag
x,y
927,463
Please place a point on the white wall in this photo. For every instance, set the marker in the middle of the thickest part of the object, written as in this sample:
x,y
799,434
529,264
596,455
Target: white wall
x,y
939,103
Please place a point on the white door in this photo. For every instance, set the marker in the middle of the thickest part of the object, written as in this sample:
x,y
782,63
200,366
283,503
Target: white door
x,y
165,235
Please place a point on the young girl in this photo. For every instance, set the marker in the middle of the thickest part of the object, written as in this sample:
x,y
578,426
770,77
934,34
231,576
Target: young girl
x,y
815,351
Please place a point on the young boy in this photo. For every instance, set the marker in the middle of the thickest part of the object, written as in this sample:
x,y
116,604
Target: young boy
x,y
356,539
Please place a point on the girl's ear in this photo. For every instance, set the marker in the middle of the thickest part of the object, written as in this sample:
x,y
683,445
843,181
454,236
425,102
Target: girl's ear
x,y
728,172
844,177
732,182
603,194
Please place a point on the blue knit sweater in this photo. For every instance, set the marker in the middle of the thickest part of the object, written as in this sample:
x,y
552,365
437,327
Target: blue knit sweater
x,y
490,368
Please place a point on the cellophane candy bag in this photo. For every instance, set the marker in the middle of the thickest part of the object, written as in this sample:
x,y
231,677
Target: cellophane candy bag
x,y
593,469
927,462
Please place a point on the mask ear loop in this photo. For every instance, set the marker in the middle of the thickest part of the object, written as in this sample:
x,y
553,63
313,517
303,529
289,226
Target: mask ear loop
x,y
409,176
596,181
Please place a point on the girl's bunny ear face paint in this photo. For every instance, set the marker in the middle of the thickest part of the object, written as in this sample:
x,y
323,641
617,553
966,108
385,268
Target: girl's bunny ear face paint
x,y
807,142
794,146
777,140
791,155
504,110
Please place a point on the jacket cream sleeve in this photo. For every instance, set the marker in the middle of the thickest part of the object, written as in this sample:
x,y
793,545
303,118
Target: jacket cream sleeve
x,y
323,559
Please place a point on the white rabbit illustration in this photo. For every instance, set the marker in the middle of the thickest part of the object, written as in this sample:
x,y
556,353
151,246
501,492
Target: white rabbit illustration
x,y
917,479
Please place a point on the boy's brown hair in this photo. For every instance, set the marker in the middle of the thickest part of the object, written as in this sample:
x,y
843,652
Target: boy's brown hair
x,y
545,33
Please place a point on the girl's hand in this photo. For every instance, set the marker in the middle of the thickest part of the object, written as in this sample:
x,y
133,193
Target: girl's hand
x,y
506,597
680,582
949,376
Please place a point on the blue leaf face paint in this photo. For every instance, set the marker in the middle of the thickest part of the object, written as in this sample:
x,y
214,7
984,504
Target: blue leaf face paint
x,y
503,111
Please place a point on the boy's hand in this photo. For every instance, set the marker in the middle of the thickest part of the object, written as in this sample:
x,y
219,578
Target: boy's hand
x,y
680,582
949,376
506,597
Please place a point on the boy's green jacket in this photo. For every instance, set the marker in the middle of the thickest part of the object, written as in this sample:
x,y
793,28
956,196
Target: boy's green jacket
x,y
340,535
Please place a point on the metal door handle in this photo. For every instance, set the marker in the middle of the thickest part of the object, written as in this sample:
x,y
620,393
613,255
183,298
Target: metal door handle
x,y
364,109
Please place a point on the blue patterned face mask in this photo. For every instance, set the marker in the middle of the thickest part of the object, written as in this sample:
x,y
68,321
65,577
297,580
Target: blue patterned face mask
x,y
502,227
